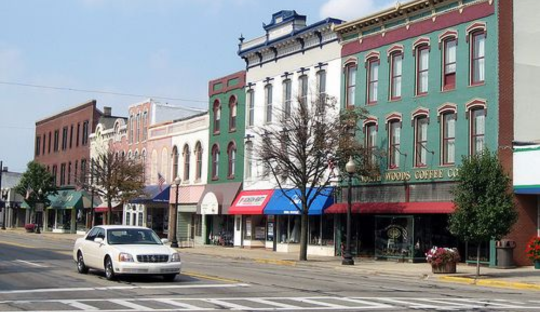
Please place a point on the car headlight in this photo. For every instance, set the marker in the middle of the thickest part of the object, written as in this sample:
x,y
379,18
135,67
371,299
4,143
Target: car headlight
x,y
175,257
125,257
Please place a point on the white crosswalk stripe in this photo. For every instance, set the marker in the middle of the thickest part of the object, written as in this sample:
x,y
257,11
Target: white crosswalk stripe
x,y
323,303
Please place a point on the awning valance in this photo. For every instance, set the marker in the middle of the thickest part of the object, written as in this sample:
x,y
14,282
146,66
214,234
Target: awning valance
x,y
70,199
116,206
281,204
394,208
251,202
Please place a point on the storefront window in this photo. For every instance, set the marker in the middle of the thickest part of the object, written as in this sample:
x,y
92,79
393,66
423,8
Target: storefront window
x,y
289,229
255,228
394,237
321,230
270,228
197,221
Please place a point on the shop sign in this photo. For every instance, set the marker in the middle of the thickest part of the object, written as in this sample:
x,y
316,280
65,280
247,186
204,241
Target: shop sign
x,y
251,200
419,175
209,204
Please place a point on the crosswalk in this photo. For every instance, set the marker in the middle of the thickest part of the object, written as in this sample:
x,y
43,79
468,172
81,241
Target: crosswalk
x,y
322,303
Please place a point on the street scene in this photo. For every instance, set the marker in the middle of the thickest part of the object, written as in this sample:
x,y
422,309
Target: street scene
x,y
322,155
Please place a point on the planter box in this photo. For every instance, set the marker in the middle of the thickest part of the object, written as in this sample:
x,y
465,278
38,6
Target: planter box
x,y
444,268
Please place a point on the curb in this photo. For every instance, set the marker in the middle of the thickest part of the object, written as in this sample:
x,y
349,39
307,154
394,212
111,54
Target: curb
x,y
490,283
276,262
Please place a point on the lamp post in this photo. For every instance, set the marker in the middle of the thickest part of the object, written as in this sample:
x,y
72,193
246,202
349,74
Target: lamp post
x,y
40,193
174,243
2,191
4,194
350,167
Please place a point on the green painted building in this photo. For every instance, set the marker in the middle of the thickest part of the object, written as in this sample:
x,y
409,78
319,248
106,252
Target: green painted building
x,y
225,161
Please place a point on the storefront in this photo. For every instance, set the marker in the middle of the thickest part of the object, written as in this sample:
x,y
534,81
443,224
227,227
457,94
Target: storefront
x,y
188,197
101,213
217,226
65,213
150,210
250,225
284,218
395,231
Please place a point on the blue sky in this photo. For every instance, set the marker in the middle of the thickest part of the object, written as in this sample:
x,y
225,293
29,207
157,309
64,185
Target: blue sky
x,y
166,48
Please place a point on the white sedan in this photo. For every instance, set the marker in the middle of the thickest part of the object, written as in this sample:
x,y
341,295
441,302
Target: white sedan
x,y
118,249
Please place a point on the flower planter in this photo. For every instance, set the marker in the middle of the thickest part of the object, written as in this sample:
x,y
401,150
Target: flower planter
x,y
444,268
537,264
29,230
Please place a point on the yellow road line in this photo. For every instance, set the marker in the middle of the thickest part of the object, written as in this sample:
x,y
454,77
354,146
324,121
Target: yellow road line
x,y
17,245
490,283
208,277
277,262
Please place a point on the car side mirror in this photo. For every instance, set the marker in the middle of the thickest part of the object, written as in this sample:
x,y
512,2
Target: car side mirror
x,y
164,240
98,240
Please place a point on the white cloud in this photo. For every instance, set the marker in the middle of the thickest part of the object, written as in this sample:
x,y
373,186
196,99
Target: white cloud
x,y
353,9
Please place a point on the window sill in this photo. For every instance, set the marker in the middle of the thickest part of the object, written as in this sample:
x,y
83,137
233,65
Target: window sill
x,y
371,103
215,178
232,130
478,84
394,169
419,95
230,178
448,90
216,133
394,100
449,165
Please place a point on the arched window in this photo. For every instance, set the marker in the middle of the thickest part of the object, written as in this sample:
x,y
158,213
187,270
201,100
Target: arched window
x,y
396,65
231,153
215,162
371,141
448,137
187,156
287,97
251,108
217,116
478,53
372,80
478,130
350,76
175,162
145,125
199,158
232,113
303,88
249,160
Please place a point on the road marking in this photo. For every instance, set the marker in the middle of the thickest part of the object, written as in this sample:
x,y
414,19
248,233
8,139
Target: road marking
x,y
177,304
211,278
31,263
78,305
377,305
48,290
318,303
229,305
131,305
272,303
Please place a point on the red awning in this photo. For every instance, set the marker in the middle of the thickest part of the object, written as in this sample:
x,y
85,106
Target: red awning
x,y
395,208
251,202
103,207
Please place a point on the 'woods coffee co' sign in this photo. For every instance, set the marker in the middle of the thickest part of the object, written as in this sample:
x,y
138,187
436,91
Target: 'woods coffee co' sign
x,y
419,175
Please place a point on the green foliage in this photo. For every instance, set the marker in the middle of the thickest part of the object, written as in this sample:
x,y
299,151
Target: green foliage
x,y
34,179
484,206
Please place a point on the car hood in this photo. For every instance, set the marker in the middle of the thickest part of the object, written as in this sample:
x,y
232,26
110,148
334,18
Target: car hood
x,y
144,249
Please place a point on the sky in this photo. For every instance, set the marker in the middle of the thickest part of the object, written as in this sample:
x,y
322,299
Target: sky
x,y
56,54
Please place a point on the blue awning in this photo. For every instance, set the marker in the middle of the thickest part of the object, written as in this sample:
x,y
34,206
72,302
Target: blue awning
x,y
153,194
279,204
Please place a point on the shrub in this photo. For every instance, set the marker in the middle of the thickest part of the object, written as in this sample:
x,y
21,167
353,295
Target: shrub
x,y
442,255
29,226
533,248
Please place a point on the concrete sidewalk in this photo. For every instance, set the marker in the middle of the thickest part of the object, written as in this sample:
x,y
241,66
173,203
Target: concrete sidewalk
x,y
516,278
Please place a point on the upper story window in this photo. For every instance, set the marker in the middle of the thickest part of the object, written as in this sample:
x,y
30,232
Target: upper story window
x,y
217,116
55,172
199,158
371,142
396,66
138,128
448,138
422,69
478,130
85,132
38,145
78,136
287,98
321,84
56,139
449,63
231,152
49,143
251,108
175,161
187,156
373,80
131,126
478,53
64,138
215,162
303,88
71,137
421,141
232,113
63,174
249,160
268,93
350,82
394,146
145,125
44,144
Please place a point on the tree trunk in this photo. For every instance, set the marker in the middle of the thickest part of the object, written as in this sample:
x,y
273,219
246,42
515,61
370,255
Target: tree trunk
x,y
109,211
303,235
478,261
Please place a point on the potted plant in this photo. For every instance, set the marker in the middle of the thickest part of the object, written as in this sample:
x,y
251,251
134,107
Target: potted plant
x,y
29,227
533,251
442,259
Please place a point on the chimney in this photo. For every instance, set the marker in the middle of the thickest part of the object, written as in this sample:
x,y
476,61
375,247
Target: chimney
x,y
107,111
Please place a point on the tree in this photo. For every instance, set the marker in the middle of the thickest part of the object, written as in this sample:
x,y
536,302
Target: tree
x,y
114,178
484,205
34,179
301,150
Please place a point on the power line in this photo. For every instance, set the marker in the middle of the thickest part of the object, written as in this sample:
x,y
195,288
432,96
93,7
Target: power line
x,y
20,84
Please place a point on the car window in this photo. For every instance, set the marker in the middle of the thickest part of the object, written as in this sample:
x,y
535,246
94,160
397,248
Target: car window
x,y
132,237
101,233
92,234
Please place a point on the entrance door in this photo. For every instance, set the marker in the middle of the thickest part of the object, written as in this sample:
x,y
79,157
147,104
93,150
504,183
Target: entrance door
x,y
238,230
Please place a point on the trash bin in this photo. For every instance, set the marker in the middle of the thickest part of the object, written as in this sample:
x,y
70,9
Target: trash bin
x,y
505,253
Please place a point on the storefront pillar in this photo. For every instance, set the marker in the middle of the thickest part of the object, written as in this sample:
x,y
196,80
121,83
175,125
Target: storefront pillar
x,y
45,220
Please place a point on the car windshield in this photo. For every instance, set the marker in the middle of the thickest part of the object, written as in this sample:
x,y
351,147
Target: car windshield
x,y
132,237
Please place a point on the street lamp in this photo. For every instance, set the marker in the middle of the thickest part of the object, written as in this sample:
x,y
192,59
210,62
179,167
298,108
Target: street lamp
x,y
4,194
40,193
350,167
174,243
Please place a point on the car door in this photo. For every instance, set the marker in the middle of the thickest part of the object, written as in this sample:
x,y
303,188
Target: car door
x,y
85,247
93,249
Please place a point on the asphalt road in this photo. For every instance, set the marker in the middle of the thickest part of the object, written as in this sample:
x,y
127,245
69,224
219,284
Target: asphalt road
x,y
38,274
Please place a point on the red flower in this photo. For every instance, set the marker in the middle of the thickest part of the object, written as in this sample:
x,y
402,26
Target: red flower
x,y
533,248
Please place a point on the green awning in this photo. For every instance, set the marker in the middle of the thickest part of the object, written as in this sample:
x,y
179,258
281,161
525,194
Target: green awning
x,y
24,205
70,199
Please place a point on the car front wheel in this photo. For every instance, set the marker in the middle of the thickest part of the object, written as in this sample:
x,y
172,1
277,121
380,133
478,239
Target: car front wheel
x,y
81,267
109,270
169,277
